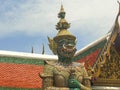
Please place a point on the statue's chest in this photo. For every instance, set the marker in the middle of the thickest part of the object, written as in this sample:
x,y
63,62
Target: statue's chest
x,y
63,71
62,74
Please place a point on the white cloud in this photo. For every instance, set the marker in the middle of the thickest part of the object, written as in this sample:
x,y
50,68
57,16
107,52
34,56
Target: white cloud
x,y
40,16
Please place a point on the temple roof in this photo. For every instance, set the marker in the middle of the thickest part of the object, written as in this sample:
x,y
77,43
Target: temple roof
x,y
27,55
93,44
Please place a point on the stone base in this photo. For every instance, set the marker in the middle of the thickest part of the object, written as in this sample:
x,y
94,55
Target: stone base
x,y
107,82
105,88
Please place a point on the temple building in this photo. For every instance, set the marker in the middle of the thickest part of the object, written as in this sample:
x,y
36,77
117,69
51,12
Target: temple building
x,y
101,58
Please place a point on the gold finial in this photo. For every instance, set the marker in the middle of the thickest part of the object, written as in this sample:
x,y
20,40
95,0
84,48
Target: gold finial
x,y
116,20
119,8
62,24
61,14
62,9
32,51
43,49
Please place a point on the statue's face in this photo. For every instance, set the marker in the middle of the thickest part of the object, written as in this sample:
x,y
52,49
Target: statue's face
x,y
66,48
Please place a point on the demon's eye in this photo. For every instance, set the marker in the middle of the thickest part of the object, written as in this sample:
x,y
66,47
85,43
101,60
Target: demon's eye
x,y
72,42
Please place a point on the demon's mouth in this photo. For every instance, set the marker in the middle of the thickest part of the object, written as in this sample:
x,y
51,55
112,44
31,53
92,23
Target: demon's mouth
x,y
67,50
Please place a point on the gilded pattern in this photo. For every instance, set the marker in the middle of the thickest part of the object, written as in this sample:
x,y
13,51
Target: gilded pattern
x,y
111,69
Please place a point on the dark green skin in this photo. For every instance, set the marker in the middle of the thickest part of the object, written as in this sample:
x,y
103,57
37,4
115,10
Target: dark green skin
x,y
65,55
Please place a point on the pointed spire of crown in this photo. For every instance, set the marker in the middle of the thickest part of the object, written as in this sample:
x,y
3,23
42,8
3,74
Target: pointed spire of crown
x,y
62,26
61,14
62,9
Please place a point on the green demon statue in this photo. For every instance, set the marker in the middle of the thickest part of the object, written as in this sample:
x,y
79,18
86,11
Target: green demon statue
x,y
64,74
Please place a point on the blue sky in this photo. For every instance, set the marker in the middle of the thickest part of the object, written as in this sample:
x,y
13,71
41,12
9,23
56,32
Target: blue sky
x,y
27,23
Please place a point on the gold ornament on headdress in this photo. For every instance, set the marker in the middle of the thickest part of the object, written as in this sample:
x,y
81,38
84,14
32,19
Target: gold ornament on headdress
x,y
62,27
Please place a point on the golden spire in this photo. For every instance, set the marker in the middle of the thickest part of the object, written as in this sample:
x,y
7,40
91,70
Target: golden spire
x,y
32,51
62,26
62,9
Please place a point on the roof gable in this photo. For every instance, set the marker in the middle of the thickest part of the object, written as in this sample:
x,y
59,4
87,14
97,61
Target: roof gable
x,y
90,52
